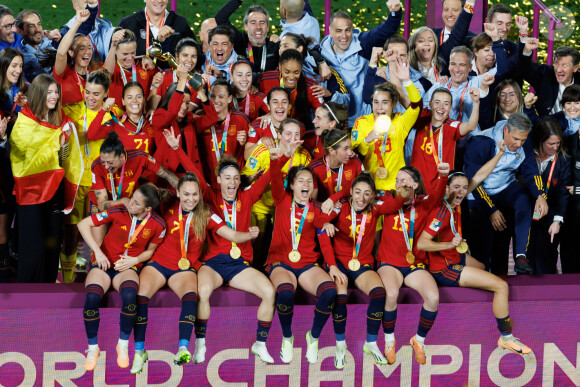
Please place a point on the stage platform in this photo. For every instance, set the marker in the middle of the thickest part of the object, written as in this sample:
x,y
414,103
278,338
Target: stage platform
x,y
522,288
42,340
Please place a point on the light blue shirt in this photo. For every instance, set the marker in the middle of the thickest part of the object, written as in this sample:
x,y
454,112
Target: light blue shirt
x,y
224,68
31,66
307,26
505,171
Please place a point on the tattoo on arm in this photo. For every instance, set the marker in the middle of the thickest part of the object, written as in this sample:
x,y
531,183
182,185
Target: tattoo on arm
x,y
170,177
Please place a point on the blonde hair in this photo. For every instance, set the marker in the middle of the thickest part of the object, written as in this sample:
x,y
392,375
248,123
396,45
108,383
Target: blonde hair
x,y
413,44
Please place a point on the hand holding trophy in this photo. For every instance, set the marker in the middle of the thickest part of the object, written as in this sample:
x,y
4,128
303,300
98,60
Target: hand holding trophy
x,y
155,50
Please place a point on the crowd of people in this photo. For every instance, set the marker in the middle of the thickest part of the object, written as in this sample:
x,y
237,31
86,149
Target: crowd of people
x,y
266,163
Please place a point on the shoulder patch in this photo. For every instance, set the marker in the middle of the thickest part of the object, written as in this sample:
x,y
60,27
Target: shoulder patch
x,y
216,218
435,225
102,216
454,124
252,162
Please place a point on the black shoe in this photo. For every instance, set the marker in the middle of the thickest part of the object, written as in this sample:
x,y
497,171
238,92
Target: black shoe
x,y
522,265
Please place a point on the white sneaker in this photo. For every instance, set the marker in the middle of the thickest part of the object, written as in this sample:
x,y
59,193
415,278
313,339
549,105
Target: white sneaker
x,y
138,361
311,349
92,356
259,349
200,350
287,350
340,355
373,350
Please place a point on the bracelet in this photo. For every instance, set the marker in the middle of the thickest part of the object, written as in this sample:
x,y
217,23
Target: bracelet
x,y
524,35
468,8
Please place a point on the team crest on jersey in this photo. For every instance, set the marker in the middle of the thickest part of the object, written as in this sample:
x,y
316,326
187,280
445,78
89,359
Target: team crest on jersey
x,y
238,205
253,162
102,216
348,175
171,212
310,217
354,135
435,225
124,228
252,132
143,74
147,233
232,130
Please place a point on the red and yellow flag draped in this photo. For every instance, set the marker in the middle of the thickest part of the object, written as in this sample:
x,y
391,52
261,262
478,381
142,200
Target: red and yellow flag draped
x,y
35,164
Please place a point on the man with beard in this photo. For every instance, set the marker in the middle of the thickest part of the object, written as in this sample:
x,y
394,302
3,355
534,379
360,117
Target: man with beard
x,y
35,40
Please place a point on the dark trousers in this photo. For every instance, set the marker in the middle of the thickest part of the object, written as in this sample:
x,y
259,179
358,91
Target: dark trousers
x,y
39,237
515,205
570,245
542,253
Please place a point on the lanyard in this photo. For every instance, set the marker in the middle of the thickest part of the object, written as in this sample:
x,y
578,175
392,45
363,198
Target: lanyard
x,y
439,155
139,125
289,166
246,108
357,240
147,27
219,150
329,178
551,170
442,36
408,236
250,52
452,219
230,222
133,73
117,195
184,231
460,113
133,234
80,82
86,141
296,234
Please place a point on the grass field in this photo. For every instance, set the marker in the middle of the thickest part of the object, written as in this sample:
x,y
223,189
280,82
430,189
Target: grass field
x,y
366,13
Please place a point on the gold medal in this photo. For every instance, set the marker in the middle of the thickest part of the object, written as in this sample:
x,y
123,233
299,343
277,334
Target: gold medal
x,y
294,256
382,173
183,264
462,248
354,264
410,257
235,252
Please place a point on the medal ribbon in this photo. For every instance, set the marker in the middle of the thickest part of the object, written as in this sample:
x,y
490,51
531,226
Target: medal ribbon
x,y
452,219
147,27
219,150
133,234
117,195
133,73
296,234
408,236
461,101
80,83
86,141
231,223
184,231
329,178
439,156
250,52
139,125
357,240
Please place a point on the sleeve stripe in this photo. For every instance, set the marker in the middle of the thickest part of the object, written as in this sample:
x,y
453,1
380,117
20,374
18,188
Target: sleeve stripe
x,y
484,196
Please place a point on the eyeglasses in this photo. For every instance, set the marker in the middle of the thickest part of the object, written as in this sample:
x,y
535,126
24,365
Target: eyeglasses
x,y
8,27
506,95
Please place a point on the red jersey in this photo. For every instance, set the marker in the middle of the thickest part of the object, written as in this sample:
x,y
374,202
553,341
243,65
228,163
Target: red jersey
x,y
118,235
136,163
343,243
129,133
171,77
271,79
326,179
257,106
169,252
256,132
144,77
72,85
281,244
423,157
244,201
313,144
393,248
209,152
167,119
439,224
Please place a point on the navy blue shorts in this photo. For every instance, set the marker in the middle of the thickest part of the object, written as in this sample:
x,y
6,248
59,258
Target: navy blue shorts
x,y
167,273
111,272
296,272
226,266
405,270
351,275
449,276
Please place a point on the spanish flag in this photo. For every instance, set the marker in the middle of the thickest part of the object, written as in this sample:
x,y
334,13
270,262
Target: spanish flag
x,y
34,159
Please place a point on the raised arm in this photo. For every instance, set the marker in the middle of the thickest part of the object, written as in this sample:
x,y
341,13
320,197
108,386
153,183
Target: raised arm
x,y
67,40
